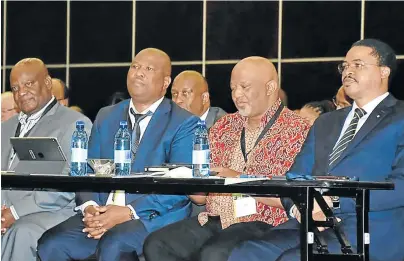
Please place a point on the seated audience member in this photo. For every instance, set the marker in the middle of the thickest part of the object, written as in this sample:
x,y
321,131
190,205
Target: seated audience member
x,y
341,100
190,92
60,91
8,106
312,110
117,97
27,214
374,153
283,97
238,147
113,226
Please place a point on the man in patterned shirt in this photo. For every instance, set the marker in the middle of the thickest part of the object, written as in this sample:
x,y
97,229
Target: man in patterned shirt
x,y
262,138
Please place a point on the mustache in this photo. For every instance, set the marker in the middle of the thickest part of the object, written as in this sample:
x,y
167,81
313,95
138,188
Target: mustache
x,y
349,77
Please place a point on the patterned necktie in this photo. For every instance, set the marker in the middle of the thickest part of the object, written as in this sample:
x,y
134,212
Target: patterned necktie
x,y
347,137
136,130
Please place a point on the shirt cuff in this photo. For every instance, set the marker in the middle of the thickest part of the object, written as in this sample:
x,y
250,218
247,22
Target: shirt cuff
x,y
84,205
14,213
134,215
291,211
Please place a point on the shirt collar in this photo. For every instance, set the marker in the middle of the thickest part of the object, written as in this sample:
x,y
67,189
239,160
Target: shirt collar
x,y
205,115
23,118
370,106
152,107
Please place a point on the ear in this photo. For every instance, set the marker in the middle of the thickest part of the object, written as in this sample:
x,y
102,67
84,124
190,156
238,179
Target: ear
x,y
385,72
271,87
48,82
167,81
205,97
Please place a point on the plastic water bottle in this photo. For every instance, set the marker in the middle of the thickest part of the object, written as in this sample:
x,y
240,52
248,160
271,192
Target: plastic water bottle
x,y
122,150
79,145
201,151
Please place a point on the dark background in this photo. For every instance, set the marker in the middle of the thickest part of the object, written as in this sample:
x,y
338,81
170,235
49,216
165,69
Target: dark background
x,y
101,32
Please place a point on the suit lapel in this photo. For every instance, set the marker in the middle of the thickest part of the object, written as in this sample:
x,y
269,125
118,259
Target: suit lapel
x,y
210,118
334,132
377,115
152,133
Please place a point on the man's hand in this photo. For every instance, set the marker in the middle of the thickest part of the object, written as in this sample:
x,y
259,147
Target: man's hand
x,y
226,172
7,219
109,217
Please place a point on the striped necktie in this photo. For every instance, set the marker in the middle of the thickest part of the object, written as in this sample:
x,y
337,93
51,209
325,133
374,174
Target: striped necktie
x,y
348,136
136,131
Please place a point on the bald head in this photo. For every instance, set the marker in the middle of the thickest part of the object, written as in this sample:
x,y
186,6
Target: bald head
x,y
190,92
58,90
148,77
254,85
8,107
31,85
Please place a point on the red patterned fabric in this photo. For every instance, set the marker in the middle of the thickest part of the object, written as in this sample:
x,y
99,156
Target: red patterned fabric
x,y
273,156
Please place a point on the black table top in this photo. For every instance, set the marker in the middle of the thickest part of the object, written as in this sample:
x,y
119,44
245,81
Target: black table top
x,y
179,185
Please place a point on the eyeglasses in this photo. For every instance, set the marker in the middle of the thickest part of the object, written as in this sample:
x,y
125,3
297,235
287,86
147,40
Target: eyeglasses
x,y
358,66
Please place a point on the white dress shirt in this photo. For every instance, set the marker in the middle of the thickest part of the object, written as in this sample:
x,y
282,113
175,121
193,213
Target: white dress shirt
x,y
205,115
143,125
27,123
369,107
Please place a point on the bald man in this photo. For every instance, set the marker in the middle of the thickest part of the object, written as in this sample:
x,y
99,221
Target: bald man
x,y
27,214
190,92
8,107
113,225
60,91
262,138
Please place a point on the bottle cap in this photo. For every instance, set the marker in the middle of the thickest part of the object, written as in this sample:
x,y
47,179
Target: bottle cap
x,y
79,124
123,124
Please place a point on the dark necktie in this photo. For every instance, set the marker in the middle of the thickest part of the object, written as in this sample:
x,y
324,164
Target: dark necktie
x,y
348,136
136,130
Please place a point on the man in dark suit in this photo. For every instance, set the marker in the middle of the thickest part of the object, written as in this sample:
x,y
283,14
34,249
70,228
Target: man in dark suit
x,y
190,92
115,229
365,140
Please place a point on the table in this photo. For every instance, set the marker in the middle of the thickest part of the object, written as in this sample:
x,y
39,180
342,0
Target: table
x,y
302,193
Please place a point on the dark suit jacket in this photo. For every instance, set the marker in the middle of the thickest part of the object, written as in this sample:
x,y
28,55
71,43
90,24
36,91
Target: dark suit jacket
x,y
167,138
375,154
214,114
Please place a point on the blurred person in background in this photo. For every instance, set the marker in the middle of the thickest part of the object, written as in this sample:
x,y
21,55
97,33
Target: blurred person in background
x,y
312,110
190,91
341,100
8,106
60,91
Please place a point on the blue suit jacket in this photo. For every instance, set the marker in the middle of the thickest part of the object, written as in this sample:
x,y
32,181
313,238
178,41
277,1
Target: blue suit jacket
x,y
375,154
167,138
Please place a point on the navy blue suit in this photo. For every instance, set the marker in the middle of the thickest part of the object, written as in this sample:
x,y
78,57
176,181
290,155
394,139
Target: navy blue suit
x,y
375,154
167,138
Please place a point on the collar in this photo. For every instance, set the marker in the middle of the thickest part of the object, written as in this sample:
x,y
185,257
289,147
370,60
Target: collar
x,y
23,118
152,107
370,106
268,114
205,115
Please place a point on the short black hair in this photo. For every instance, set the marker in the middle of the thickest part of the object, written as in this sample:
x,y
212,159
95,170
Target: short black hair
x,y
65,88
323,106
383,52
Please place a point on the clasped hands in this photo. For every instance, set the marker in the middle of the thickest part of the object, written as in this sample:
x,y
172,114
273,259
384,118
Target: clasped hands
x,y
318,214
99,219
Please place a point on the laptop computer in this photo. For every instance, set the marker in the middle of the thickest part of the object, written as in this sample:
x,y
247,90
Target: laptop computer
x,y
39,155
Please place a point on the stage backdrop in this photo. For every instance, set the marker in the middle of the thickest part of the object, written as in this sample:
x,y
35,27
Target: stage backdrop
x,y
90,44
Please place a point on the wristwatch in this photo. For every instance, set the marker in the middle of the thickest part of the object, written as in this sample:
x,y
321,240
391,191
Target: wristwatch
x,y
335,202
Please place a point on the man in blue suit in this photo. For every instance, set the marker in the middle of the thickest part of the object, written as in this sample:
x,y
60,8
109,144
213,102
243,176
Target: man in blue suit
x,y
115,224
365,140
